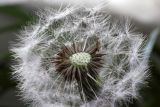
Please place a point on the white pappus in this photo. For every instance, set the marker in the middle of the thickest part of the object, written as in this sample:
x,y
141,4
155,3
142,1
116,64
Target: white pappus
x,y
79,57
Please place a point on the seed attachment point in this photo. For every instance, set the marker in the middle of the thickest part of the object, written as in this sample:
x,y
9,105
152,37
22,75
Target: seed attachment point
x,y
80,59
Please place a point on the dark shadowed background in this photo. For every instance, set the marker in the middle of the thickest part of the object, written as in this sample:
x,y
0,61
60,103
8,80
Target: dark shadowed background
x,y
13,18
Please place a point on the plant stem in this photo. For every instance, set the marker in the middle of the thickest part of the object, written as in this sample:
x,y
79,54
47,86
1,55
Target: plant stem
x,y
152,40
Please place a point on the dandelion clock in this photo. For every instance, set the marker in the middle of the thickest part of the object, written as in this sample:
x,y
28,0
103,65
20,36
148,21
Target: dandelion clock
x,y
79,57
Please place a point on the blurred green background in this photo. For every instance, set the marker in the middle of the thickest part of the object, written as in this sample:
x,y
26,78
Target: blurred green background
x,y
13,18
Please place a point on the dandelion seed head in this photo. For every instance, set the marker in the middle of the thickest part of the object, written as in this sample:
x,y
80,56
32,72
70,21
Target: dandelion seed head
x,y
78,57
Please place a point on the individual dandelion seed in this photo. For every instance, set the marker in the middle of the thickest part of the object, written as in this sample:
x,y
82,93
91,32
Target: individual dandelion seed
x,y
78,57
81,64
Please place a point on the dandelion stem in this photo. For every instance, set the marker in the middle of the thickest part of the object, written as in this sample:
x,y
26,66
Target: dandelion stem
x,y
152,40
